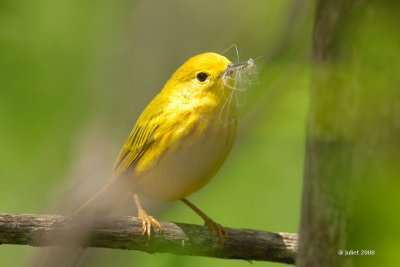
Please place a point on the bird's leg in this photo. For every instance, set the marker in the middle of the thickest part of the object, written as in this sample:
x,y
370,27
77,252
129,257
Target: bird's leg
x,y
147,220
216,228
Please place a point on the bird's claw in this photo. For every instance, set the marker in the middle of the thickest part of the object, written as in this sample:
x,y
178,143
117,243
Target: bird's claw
x,y
147,223
217,230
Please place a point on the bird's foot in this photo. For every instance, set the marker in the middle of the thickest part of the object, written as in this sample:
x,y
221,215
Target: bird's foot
x,y
216,229
148,222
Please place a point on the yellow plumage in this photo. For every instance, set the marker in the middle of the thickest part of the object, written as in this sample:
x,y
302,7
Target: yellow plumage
x,y
183,136
179,142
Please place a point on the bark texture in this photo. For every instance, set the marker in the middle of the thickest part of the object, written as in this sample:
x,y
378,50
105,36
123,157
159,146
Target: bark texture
x,y
126,233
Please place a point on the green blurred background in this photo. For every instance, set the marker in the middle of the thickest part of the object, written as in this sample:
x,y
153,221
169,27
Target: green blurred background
x,y
75,75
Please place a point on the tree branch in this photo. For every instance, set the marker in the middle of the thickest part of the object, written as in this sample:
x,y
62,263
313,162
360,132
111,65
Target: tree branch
x,y
125,233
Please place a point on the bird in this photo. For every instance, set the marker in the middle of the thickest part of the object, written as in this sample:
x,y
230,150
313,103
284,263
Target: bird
x,y
181,138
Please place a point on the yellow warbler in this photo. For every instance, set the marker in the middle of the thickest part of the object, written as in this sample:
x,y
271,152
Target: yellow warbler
x,y
182,137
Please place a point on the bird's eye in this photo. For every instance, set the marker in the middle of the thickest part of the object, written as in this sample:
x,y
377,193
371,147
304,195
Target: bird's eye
x,y
201,76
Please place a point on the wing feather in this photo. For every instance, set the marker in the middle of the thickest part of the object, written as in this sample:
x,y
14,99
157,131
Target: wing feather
x,y
139,140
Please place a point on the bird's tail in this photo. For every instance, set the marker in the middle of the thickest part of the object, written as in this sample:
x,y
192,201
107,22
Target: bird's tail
x,y
101,203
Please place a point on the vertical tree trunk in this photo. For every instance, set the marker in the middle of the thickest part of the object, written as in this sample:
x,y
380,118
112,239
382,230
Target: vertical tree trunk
x,y
352,165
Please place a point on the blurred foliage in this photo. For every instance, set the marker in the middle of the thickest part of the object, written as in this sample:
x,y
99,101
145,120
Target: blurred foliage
x,y
353,152
75,75
376,168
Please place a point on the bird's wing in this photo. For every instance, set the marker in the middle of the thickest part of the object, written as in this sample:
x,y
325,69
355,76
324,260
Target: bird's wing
x,y
139,140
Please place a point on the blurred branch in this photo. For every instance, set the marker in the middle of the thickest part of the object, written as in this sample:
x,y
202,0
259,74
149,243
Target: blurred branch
x,y
125,233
